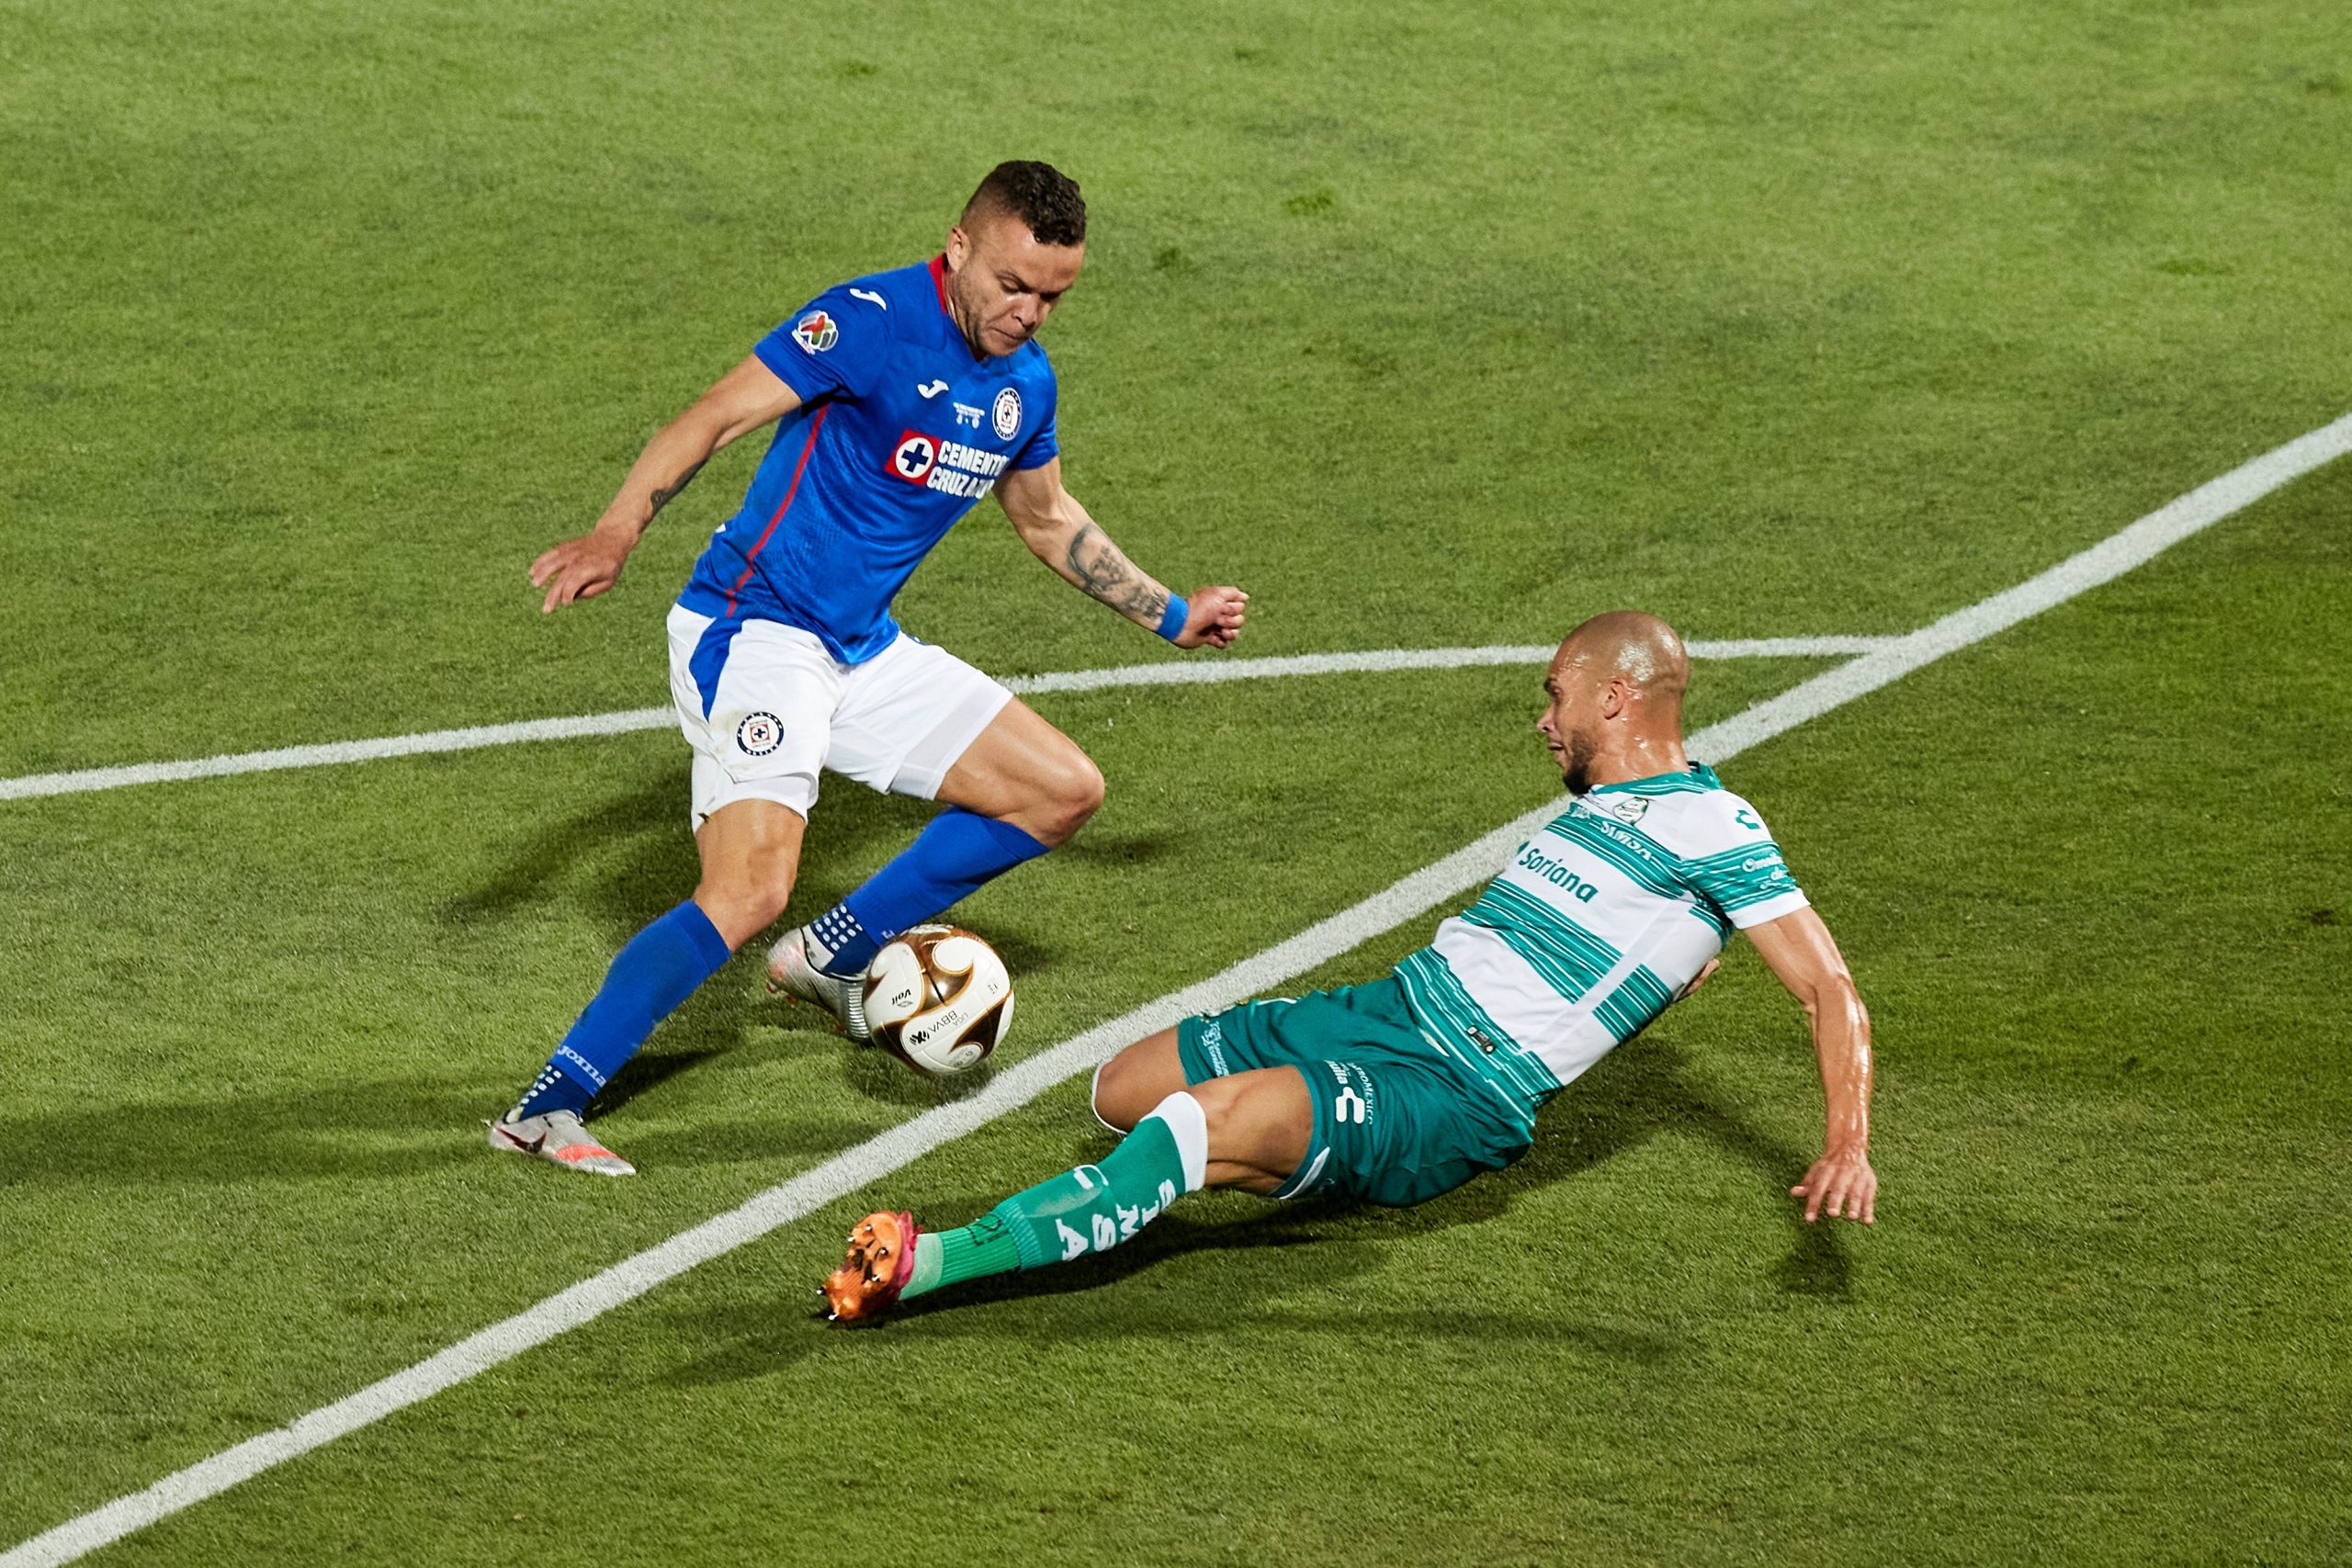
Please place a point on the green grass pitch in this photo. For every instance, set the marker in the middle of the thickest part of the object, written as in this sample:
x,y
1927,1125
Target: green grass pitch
x,y
1430,324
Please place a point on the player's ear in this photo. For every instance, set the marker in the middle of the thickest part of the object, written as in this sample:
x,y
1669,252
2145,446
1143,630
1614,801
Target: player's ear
x,y
959,245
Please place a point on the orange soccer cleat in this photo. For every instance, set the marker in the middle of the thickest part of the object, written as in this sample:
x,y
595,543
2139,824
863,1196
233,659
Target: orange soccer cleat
x,y
881,1259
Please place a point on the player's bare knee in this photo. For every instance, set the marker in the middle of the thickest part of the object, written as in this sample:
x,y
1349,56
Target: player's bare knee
x,y
1229,1110
1126,1087
1113,1096
1259,1121
1073,794
749,901
1227,1100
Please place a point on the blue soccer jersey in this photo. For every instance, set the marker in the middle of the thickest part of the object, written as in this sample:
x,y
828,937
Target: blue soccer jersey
x,y
900,430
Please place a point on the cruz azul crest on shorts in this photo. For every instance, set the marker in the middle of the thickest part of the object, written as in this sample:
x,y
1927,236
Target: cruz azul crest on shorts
x,y
759,734
815,331
1005,413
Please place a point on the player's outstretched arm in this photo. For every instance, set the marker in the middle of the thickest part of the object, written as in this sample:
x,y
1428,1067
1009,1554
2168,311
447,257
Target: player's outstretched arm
x,y
745,398
1058,532
1800,950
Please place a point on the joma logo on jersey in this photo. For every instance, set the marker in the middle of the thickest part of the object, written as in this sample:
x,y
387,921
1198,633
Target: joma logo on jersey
x,y
1558,876
950,467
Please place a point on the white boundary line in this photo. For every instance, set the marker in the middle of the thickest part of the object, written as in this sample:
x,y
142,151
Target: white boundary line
x,y
1204,671
878,1156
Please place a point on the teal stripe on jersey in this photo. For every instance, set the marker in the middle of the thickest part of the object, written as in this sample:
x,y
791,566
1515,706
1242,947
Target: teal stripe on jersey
x,y
1736,878
1714,917
1570,981
1567,976
1630,851
1628,1010
1462,1029
1528,922
1651,865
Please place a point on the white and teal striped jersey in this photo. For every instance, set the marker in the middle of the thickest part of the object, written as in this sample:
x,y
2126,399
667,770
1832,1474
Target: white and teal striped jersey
x,y
1593,926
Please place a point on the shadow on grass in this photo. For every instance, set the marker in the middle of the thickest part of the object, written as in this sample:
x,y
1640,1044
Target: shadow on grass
x,y
1274,1256
1649,1086
1645,1088
630,857
650,1069
387,1129
367,1131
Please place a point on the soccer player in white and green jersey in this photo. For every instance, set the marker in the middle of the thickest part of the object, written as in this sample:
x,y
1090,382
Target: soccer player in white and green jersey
x,y
1397,1090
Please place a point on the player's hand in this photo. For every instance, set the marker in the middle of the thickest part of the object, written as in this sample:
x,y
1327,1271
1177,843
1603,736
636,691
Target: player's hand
x,y
1842,1182
1691,986
578,568
1216,618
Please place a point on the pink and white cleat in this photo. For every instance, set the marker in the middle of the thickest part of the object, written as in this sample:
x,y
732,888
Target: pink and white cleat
x,y
556,1135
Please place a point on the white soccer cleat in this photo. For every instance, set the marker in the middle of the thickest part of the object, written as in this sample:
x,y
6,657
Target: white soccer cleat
x,y
556,1135
790,973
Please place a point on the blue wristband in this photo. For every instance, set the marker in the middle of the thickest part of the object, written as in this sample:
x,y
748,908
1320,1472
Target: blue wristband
x,y
1172,619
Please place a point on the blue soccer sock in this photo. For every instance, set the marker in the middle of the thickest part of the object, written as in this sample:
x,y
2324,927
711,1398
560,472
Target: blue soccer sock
x,y
957,852
659,969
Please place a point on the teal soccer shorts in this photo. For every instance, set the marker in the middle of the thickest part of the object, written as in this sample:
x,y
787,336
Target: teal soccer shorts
x,y
1396,1122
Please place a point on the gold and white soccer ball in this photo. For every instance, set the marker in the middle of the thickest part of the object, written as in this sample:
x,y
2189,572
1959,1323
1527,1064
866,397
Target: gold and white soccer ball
x,y
939,999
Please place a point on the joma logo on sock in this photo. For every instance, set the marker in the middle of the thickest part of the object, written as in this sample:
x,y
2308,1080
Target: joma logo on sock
x,y
587,1067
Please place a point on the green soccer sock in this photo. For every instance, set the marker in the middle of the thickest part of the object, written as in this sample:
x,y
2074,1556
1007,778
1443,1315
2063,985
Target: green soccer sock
x,y
1091,1209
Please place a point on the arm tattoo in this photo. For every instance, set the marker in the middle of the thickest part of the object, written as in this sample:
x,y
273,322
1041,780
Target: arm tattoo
x,y
1103,569
663,496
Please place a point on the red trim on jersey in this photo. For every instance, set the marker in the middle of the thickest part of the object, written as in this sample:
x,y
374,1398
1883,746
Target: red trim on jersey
x,y
939,281
789,491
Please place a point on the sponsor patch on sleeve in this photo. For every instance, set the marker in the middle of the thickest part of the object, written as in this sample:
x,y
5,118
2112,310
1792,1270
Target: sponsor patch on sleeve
x,y
816,333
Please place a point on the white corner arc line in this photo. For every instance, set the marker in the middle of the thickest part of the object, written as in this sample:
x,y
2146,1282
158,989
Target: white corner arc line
x,y
888,1151
1204,672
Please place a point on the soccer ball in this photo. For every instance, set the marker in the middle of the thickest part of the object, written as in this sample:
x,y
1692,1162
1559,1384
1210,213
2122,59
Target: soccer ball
x,y
939,999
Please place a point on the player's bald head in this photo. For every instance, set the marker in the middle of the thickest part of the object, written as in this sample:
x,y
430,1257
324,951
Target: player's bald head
x,y
1629,646
1616,690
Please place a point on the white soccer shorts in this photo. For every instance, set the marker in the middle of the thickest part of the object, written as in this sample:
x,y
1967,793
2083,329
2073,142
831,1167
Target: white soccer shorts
x,y
784,708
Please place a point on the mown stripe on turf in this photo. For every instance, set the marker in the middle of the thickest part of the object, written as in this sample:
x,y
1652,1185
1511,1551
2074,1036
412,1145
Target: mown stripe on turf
x,y
1206,670
877,1157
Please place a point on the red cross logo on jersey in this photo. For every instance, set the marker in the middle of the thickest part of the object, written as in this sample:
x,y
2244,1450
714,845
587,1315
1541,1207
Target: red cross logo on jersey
x,y
915,455
815,332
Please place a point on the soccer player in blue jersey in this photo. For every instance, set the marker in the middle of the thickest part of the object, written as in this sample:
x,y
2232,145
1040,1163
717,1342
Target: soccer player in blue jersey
x,y
900,399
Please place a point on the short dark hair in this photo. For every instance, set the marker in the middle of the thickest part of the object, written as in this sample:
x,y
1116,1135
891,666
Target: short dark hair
x,y
1039,194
